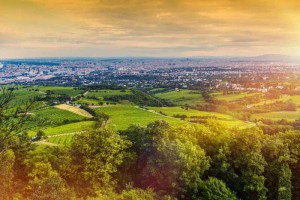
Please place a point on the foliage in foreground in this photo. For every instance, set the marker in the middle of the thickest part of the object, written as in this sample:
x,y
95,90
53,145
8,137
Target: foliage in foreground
x,y
157,162
153,162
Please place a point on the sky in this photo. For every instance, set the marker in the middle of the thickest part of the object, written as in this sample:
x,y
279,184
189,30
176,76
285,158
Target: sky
x,y
148,28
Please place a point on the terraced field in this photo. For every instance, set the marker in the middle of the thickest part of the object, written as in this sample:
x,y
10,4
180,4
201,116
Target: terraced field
x,y
182,97
124,115
87,101
121,115
57,116
63,140
23,95
70,128
225,119
171,111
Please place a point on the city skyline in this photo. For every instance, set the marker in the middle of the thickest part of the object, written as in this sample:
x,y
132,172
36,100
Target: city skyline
x,y
159,28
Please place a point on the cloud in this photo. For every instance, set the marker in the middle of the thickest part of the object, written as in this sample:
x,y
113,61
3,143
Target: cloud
x,y
170,27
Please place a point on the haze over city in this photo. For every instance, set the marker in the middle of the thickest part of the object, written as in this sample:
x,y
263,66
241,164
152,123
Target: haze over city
x,y
156,28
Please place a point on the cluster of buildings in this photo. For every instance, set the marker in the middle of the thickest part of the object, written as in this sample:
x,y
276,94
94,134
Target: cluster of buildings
x,y
176,73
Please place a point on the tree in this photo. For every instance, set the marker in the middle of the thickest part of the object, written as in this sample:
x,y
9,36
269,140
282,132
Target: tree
x,y
214,189
278,173
130,194
173,163
284,183
7,159
15,119
95,158
46,184
249,164
40,134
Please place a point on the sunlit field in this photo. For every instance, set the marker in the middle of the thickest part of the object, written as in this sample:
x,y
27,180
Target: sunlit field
x,y
182,97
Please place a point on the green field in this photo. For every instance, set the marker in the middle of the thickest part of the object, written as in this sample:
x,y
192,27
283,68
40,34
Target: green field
x,y
22,95
296,99
231,97
288,115
170,111
284,98
124,115
70,128
94,97
87,101
70,91
64,140
225,119
57,116
182,97
100,94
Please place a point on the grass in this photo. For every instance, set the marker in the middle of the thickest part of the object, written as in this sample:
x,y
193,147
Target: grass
x,y
64,140
170,111
70,128
283,98
296,99
225,119
87,101
75,110
124,115
57,116
22,95
231,97
182,97
70,91
100,94
94,97
288,115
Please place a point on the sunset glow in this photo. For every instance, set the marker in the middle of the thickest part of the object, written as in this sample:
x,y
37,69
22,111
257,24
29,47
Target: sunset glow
x,y
181,28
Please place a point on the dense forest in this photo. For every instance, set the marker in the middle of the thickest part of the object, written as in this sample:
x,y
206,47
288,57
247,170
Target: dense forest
x,y
205,161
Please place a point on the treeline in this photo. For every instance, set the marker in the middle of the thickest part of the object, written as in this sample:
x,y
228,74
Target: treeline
x,y
244,107
273,127
156,162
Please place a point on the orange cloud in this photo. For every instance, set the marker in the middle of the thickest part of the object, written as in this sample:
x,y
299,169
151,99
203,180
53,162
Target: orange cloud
x,y
145,27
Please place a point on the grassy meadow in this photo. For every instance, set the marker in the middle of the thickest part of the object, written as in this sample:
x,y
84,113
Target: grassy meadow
x,y
122,116
70,91
231,97
57,116
288,115
65,120
191,113
182,97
